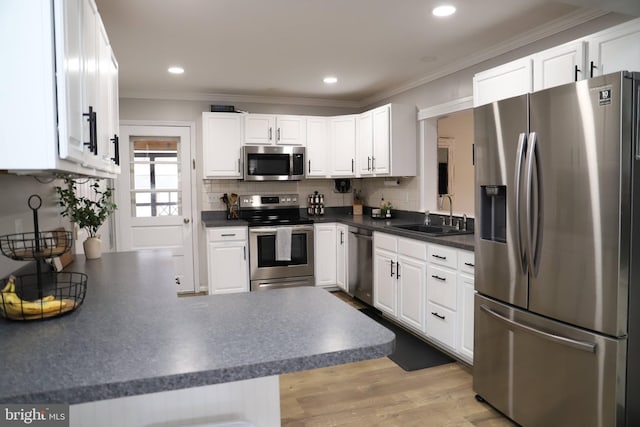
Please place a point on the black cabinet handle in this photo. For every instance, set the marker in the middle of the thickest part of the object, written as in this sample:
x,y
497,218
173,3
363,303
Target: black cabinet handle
x,y
116,152
442,279
576,70
398,270
438,316
468,264
341,237
439,256
592,66
368,163
352,165
93,130
392,267
309,166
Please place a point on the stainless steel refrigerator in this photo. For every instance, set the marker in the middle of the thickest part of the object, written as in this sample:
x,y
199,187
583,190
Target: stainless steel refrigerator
x,y
557,309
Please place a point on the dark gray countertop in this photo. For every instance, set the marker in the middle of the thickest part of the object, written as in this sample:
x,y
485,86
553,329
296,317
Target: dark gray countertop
x,y
133,336
465,241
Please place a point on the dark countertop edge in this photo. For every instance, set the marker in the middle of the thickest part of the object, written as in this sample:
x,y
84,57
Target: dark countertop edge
x,y
139,387
460,241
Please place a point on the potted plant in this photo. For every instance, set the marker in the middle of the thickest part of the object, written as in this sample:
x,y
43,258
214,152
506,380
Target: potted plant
x,y
88,212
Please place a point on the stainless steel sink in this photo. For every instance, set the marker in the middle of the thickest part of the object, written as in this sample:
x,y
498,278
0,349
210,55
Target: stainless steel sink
x,y
433,230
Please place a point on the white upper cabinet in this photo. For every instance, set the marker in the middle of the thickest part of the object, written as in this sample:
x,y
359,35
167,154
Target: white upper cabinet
x,y
365,144
222,145
387,143
55,89
608,51
318,147
560,65
615,49
343,145
266,129
511,79
108,125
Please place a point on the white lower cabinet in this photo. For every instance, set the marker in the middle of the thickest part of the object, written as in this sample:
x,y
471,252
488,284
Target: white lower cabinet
x,y
399,279
227,260
428,288
466,294
324,242
442,295
342,250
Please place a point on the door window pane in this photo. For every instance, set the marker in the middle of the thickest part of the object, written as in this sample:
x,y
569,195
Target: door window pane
x,y
155,177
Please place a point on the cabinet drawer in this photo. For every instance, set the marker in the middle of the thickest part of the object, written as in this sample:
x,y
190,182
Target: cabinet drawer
x,y
443,255
385,241
441,324
466,261
412,248
221,234
441,286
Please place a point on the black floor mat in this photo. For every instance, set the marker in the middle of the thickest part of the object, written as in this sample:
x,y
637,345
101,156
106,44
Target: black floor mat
x,y
411,353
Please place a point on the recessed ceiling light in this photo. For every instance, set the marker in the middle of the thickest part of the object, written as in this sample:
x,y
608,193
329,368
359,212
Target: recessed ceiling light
x,y
176,70
330,80
444,10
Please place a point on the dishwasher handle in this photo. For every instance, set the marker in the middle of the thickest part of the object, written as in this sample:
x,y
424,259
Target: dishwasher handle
x,y
361,236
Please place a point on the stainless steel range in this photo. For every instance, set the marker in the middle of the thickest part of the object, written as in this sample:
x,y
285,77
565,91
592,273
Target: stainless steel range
x,y
276,228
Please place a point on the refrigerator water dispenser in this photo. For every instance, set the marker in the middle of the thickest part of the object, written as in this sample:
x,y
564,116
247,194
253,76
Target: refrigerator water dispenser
x,y
493,208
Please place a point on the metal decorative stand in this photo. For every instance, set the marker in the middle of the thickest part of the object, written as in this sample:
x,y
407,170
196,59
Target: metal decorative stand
x,y
46,293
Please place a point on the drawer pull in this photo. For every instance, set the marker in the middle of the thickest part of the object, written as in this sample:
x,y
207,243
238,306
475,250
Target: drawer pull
x,y
437,315
228,235
443,279
468,264
439,256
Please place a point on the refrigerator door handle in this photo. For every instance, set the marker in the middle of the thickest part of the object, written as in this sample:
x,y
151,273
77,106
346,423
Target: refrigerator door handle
x,y
533,246
580,345
522,251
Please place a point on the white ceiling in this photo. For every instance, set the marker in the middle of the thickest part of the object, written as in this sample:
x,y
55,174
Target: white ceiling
x,y
283,48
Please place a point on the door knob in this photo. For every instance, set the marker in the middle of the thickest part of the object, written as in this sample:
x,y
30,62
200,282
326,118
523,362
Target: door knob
x,y
186,220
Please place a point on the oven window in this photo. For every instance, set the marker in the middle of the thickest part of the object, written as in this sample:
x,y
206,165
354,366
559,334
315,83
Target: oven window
x,y
267,251
268,164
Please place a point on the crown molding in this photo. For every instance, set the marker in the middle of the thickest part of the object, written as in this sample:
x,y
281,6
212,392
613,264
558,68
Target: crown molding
x,y
551,28
225,97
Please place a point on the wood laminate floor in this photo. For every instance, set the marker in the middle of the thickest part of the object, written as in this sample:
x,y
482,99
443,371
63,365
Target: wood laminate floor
x,y
379,393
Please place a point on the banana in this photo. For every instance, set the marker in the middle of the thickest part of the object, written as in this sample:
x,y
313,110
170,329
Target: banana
x,y
17,307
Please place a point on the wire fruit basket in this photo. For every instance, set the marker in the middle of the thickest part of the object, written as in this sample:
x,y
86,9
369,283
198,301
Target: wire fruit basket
x,y
46,293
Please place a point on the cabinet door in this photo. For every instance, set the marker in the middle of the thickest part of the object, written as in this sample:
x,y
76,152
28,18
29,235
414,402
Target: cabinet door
x,y
381,140
317,146
411,274
465,314
559,65
343,145
221,141
291,130
228,267
511,79
384,281
105,130
615,49
341,256
68,36
113,112
365,144
259,129
91,81
325,254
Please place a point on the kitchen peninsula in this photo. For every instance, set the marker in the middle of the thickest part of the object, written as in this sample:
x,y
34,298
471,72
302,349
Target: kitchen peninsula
x,y
133,339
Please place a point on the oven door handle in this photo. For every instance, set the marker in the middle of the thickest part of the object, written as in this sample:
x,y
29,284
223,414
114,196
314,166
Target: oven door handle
x,y
272,230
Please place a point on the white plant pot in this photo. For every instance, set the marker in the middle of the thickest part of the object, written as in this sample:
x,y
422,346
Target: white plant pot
x,y
92,247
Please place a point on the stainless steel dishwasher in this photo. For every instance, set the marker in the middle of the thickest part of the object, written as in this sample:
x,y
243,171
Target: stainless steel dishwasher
x,y
360,284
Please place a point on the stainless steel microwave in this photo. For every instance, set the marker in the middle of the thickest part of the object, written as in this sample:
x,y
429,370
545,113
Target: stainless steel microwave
x,y
269,163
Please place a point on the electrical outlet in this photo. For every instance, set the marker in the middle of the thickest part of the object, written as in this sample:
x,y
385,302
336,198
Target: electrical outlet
x,y
213,197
